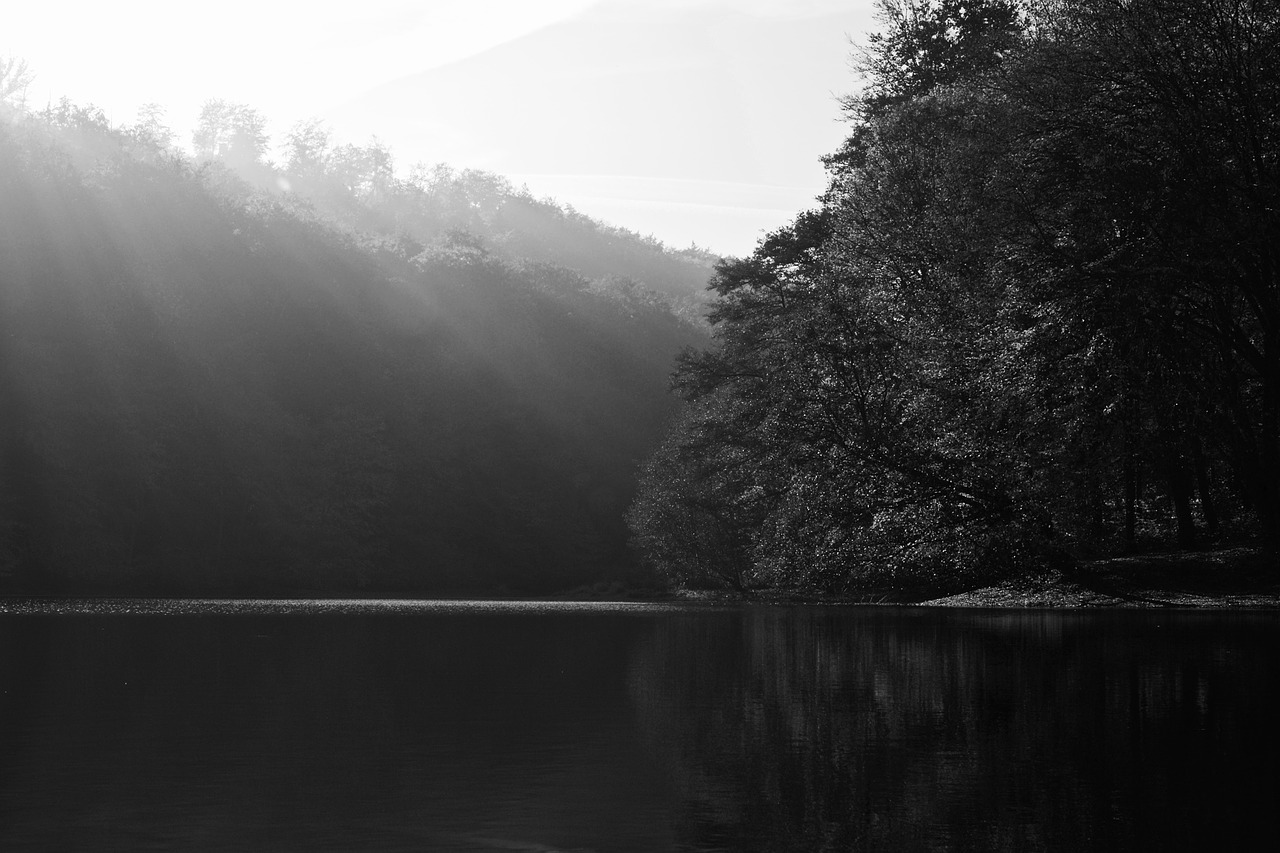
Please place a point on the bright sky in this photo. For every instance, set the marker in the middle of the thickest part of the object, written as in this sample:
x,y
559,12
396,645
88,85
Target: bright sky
x,y
294,60
288,59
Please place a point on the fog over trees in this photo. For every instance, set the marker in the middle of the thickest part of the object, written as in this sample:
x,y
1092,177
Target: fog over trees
x,y
220,374
1034,318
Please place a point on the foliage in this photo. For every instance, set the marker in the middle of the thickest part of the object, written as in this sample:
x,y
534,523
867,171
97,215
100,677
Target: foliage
x,y
213,388
15,77
356,187
1038,303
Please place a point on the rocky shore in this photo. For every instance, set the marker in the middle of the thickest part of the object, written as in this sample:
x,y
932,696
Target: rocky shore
x,y
1227,577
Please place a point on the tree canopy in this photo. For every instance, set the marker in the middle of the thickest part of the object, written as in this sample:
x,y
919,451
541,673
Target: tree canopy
x,y
222,376
1035,316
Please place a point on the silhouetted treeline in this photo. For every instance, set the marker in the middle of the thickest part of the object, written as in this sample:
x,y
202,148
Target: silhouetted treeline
x,y
212,382
1037,314
436,205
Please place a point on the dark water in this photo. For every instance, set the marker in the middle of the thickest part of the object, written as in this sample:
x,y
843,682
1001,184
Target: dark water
x,y
422,728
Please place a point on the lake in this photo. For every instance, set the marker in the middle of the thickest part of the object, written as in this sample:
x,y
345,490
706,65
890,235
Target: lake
x,y
419,726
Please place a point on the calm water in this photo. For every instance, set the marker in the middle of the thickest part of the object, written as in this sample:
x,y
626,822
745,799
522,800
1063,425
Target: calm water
x,y
591,728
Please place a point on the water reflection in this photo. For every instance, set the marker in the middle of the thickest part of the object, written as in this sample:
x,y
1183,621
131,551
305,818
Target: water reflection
x,y
920,730
637,729
459,731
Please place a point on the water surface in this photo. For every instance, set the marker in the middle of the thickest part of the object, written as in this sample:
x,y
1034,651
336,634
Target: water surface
x,y
153,725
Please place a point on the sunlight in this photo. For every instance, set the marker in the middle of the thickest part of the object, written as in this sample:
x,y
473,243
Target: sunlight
x,y
688,425
287,64
652,91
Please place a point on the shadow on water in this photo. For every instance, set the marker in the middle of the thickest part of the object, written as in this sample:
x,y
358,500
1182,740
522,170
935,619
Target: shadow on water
x,y
536,727
920,730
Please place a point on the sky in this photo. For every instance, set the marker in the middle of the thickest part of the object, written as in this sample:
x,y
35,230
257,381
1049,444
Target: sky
x,y
340,60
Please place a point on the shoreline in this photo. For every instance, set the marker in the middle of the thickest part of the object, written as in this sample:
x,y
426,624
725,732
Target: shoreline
x,y
1238,577
1233,577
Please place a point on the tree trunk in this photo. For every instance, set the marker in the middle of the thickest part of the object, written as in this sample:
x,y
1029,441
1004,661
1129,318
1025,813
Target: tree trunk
x,y
1269,441
1130,502
1178,479
1208,510
1130,481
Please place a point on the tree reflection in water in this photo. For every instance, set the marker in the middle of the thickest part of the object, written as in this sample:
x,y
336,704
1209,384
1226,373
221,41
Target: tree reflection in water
x,y
789,729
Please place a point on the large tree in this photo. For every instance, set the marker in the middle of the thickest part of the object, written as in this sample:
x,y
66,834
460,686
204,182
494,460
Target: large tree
x,y
1036,312
1147,207
234,132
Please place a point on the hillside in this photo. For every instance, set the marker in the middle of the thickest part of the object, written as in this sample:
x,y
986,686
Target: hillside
x,y
700,97
211,388
1035,320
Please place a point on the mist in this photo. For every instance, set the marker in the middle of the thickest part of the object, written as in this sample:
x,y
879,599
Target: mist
x,y
227,376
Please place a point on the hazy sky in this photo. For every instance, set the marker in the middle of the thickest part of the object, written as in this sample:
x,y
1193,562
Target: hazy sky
x,y
294,60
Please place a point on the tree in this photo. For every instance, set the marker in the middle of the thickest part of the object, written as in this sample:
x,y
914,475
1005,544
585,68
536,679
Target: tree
x,y
150,127
861,375
1149,141
362,171
687,518
307,149
234,132
926,44
1042,284
15,77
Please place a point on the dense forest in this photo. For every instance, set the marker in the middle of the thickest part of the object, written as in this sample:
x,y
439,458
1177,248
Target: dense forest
x,y
1035,318
225,375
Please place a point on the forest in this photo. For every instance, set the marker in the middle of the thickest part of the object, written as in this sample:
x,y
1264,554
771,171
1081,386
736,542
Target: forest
x,y
1034,319
225,375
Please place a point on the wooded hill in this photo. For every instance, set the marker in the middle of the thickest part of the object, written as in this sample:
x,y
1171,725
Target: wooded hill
x,y
221,376
1036,316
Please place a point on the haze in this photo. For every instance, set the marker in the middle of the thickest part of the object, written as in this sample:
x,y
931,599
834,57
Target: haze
x,y
697,122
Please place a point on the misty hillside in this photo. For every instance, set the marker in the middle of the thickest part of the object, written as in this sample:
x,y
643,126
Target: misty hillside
x,y
600,67
566,99
441,207
211,388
